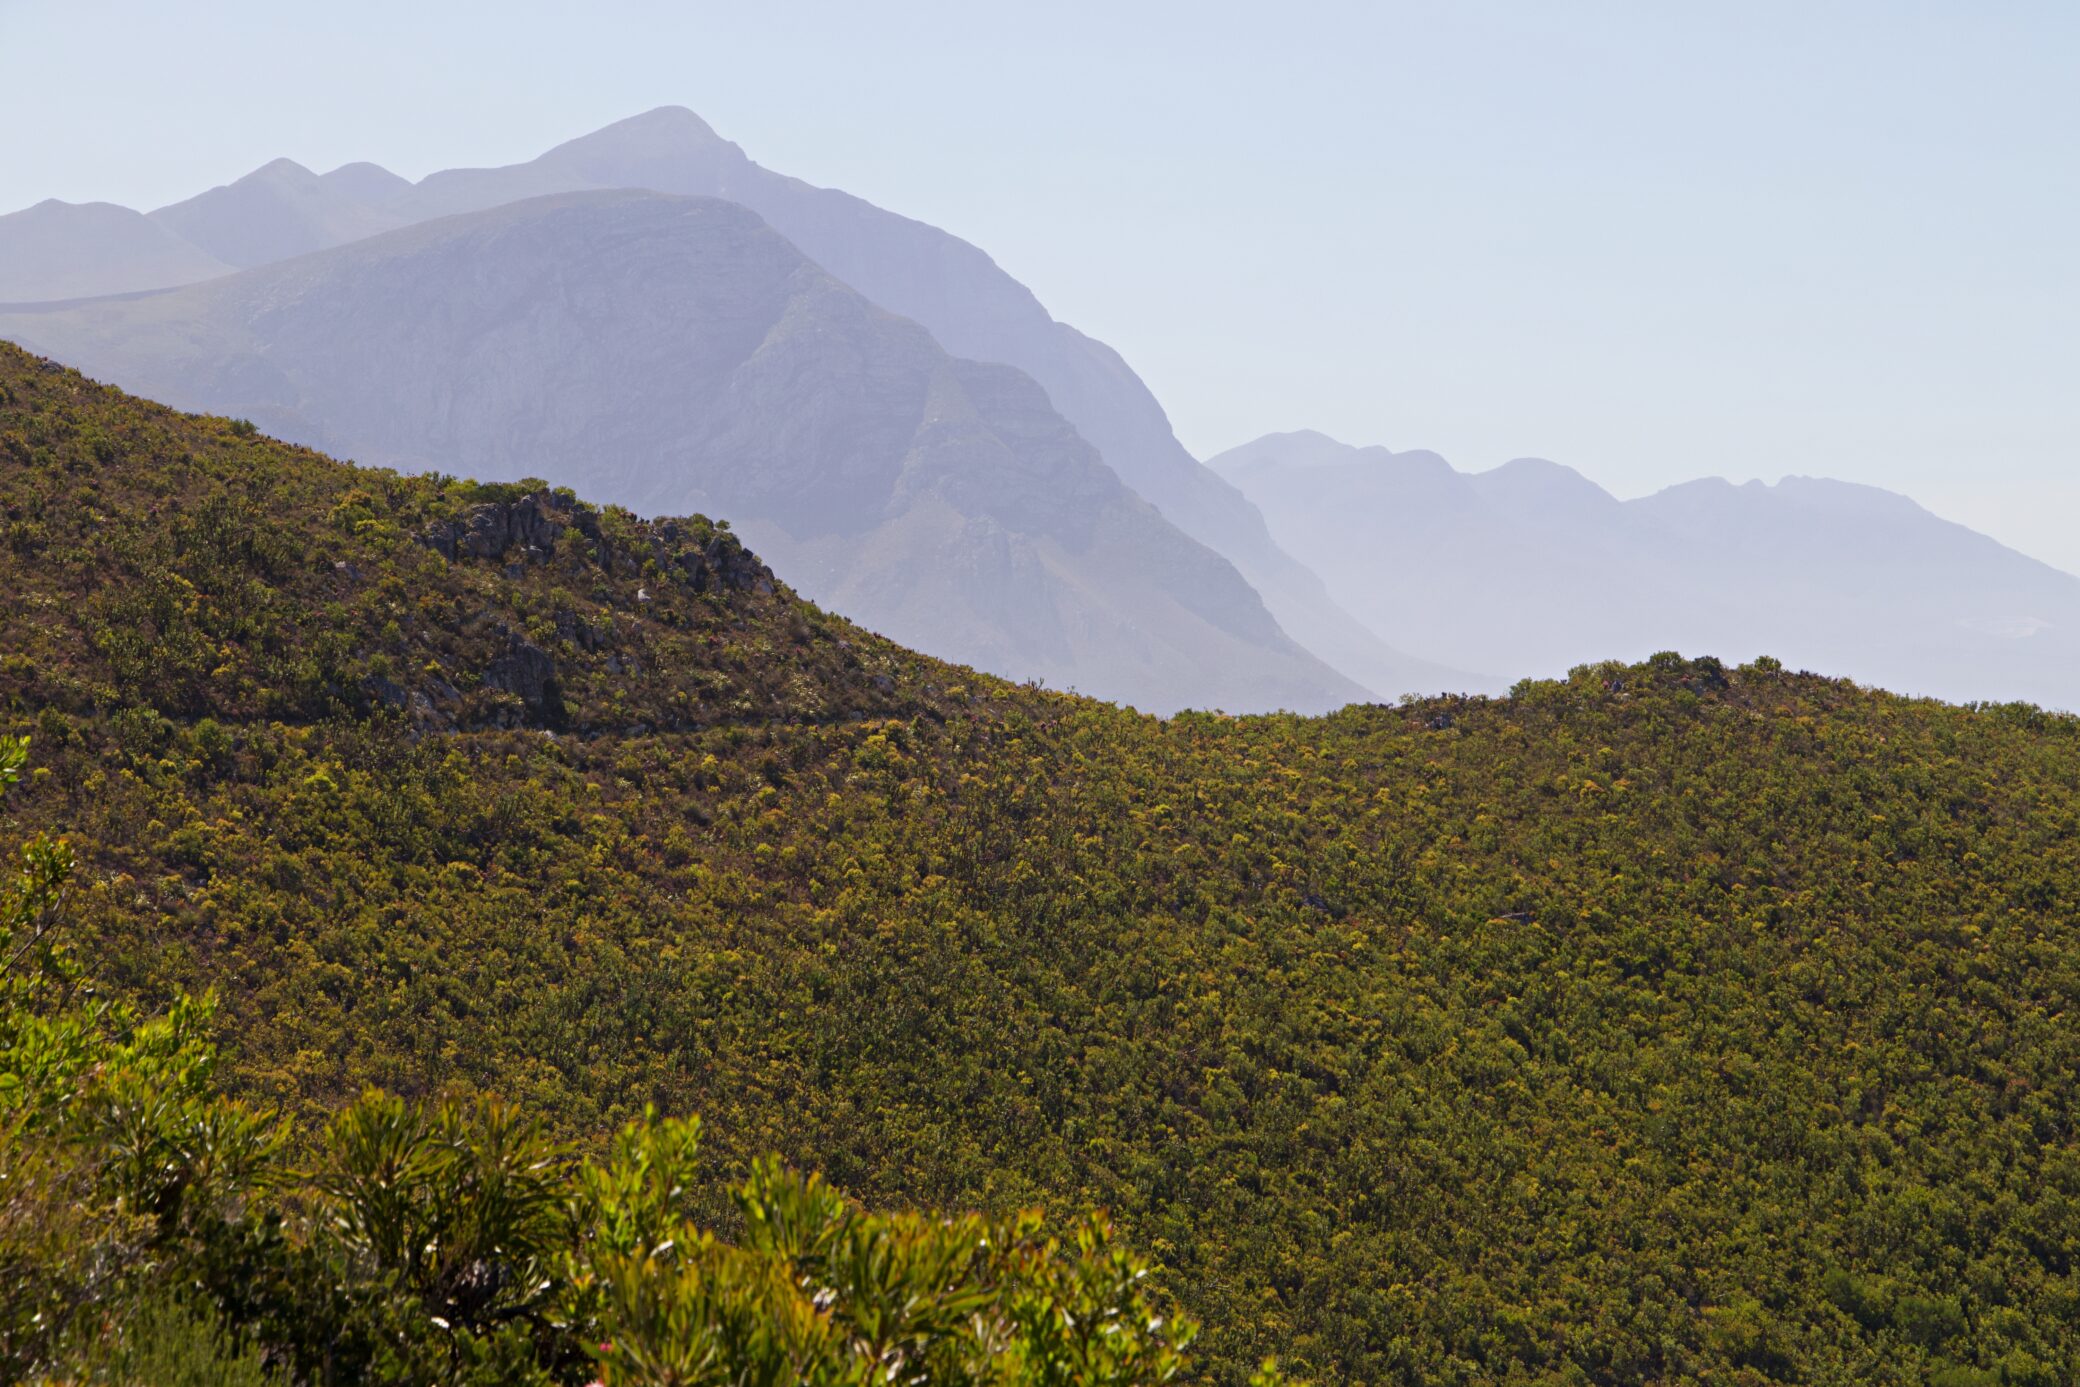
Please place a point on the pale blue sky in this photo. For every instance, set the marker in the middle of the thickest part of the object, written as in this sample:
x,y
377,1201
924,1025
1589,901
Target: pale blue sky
x,y
1653,241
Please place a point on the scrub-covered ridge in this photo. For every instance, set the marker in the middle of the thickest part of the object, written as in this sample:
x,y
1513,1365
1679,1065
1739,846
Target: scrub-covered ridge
x,y
1671,1022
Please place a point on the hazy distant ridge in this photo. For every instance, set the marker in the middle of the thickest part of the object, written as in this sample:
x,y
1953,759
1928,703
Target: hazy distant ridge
x,y
1531,567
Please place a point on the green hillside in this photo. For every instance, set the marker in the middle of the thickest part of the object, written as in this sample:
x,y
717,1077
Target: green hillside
x,y
1671,1023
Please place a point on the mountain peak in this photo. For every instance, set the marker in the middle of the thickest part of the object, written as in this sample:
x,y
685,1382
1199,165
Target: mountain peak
x,y
1299,448
673,119
1314,437
667,129
1541,482
64,250
670,150
279,210
56,207
1531,467
281,170
1422,460
1804,493
366,182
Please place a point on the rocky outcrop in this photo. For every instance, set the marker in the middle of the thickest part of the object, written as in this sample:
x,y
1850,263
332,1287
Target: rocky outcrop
x,y
527,531
526,672
532,530
720,563
494,529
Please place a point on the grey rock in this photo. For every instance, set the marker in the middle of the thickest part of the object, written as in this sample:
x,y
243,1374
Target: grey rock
x,y
526,671
386,692
576,630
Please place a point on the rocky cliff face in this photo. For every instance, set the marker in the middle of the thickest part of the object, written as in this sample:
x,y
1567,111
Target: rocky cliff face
x,y
676,354
527,531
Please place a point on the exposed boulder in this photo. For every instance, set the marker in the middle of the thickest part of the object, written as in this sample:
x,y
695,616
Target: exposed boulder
x,y
491,530
575,629
527,672
386,692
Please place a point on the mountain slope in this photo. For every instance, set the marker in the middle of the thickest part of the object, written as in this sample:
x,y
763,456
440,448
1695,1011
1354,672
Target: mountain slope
x,y
65,250
1532,567
951,287
371,185
975,310
972,307
673,353
1673,1022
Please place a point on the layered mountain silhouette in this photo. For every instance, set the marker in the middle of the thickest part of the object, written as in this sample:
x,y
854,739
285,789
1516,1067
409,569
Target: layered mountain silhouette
x,y
1525,569
975,310
1533,568
971,306
675,353
74,250
283,209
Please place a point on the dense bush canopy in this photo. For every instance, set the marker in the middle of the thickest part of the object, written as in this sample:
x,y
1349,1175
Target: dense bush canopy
x,y
1666,1023
151,1235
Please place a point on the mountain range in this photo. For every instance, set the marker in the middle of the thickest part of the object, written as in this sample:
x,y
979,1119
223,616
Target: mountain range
x,y
453,333
677,352
969,306
1533,568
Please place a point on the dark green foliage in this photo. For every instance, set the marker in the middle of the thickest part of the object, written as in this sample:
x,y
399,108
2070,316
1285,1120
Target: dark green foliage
x,y
162,1342
150,1236
1667,1023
